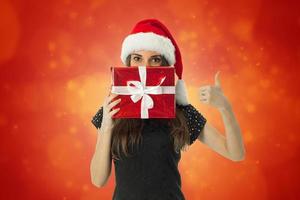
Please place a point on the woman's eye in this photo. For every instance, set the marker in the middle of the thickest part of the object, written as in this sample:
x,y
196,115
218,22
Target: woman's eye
x,y
156,60
136,58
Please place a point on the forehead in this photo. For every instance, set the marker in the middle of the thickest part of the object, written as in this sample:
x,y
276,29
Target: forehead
x,y
146,53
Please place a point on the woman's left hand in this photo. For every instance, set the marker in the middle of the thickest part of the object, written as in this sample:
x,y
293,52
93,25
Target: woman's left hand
x,y
213,94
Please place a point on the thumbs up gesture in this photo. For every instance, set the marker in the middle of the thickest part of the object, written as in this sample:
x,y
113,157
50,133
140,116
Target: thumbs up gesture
x,y
213,94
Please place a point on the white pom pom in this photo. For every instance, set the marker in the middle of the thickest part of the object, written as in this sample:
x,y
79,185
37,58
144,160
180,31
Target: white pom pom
x,y
181,93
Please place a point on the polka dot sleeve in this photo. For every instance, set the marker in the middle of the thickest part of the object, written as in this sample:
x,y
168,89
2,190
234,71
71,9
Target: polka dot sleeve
x,y
195,121
97,118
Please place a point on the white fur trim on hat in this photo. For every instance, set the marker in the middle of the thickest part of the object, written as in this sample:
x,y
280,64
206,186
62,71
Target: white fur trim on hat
x,y
181,93
148,41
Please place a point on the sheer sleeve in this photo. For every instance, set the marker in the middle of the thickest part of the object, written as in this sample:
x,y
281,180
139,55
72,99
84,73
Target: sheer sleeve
x,y
97,118
195,121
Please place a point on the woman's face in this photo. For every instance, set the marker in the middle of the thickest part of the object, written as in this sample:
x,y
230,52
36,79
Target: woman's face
x,y
145,58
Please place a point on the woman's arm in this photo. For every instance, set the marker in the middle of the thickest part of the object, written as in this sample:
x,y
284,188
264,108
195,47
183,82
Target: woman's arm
x,y
230,146
101,162
100,167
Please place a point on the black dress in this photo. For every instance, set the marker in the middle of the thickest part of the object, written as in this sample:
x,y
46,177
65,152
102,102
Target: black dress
x,y
152,172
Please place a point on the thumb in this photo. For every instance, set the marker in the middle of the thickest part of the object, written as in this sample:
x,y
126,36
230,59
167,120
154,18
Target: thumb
x,y
217,80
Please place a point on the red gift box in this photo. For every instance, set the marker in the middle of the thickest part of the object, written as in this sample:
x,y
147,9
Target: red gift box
x,y
145,91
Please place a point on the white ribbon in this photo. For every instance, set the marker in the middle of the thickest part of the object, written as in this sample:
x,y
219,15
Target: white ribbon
x,y
139,90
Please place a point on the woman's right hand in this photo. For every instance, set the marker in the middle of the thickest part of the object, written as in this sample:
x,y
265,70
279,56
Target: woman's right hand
x,y
108,111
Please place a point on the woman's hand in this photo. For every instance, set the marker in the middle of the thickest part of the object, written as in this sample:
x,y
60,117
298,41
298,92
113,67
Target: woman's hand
x,y
213,94
108,111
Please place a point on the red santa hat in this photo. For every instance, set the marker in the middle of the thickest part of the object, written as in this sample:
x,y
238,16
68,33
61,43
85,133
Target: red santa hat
x,y
152,35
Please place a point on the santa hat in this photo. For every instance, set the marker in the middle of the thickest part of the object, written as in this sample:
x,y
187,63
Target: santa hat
x,y
152,35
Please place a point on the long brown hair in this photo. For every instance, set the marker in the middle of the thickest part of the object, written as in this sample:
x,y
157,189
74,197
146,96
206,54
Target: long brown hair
x,y
126,132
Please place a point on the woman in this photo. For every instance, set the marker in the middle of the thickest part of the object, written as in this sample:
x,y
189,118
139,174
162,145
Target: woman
x,y
146,152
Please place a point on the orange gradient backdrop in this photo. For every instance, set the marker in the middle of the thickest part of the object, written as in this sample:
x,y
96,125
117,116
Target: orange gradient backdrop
x,y
54,61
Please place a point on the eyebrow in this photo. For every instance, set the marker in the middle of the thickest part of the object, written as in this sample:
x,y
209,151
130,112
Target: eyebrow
x,y
150,56
136,54
156,56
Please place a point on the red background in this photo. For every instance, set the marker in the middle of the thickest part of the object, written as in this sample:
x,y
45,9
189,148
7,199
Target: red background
x,y
54,61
